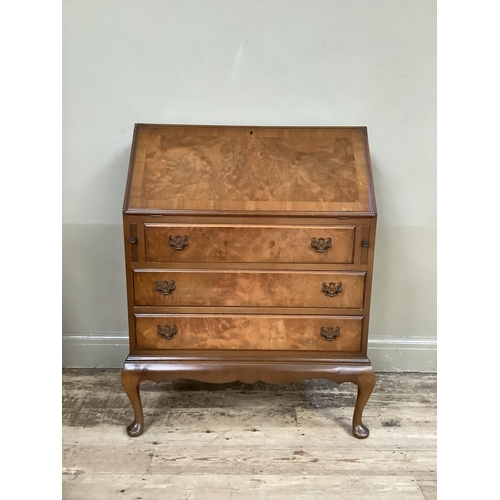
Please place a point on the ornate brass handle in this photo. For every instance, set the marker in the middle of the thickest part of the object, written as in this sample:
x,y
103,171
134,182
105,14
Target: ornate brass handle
x,y
178,242
321,245
167,331
165,287
330,333
332,289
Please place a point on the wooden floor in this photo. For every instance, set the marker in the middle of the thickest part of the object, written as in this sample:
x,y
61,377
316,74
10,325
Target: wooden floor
x,y
246,442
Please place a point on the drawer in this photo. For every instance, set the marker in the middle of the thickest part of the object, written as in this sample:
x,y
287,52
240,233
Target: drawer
x,y
249,243
219,288
295,333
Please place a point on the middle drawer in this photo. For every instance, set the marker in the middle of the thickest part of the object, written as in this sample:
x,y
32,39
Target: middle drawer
x,y
219,288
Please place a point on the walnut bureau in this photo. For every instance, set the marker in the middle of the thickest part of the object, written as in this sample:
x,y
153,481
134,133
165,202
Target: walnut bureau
x,y
249,256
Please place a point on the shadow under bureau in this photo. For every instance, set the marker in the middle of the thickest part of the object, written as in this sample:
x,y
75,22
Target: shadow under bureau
x,y
249,256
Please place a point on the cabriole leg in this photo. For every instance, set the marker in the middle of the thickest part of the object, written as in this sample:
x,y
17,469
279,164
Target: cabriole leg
x,y
130,382
366,383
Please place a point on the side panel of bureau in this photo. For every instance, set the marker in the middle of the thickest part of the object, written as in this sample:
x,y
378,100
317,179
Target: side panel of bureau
x,y
254,332
215,288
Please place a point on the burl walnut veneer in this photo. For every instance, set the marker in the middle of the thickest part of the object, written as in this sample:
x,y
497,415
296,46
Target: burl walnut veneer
x,y
249,256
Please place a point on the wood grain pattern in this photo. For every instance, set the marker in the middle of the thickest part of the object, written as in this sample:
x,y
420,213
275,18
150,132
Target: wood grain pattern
x,y
250,332
242,168
250,243
217,288
219,486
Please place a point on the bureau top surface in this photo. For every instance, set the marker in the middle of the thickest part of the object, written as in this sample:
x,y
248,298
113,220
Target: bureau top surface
x,y
217,169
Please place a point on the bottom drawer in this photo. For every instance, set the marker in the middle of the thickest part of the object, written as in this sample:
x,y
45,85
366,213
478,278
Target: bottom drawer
x,y
204,331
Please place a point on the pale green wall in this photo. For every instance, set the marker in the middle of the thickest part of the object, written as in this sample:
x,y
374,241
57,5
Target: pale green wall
x,y
352,62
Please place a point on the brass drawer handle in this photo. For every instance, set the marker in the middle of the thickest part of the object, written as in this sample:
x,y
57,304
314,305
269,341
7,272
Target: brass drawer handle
x,y
332,289
167,331
321,245
178,242
165,287
330,333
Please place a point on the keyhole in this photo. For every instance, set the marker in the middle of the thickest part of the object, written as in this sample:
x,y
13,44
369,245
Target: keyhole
x,y
251,132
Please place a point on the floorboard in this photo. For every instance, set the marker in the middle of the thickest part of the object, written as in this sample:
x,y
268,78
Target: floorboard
x,y
244,442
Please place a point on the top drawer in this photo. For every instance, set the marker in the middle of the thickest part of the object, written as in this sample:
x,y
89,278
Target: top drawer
x,y
249,243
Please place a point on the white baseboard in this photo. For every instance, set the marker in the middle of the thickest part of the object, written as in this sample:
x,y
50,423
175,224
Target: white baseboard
x,y
416,354
109,350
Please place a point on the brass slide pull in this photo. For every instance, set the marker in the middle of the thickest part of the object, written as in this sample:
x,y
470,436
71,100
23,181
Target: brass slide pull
x,y
321,245
178,242
332,289
330,333
165,287
167,331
